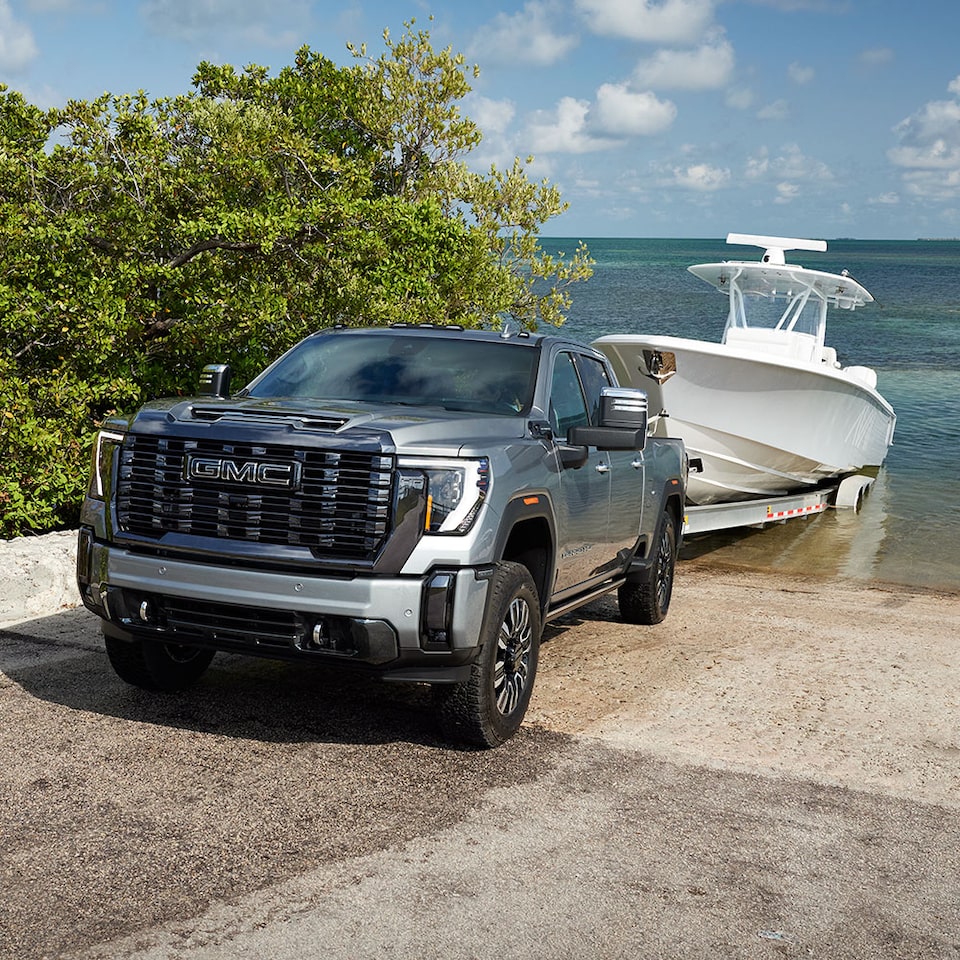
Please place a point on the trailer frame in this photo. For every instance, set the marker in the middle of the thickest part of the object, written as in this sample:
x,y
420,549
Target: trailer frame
x,y
847,493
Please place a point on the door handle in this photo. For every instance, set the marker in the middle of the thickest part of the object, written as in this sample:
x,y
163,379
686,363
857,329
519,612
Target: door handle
x,y
637,464
603,468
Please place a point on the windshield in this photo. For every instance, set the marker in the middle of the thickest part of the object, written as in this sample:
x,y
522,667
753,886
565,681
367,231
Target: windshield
x,y
494,377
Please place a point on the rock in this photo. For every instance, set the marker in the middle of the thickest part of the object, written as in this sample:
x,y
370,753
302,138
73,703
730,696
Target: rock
x,y
37,576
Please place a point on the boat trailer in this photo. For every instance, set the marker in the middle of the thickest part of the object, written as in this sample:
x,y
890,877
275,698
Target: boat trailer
x,y
847,494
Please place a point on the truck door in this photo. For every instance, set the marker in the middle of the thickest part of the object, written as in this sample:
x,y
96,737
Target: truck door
x,y
626,466
583,494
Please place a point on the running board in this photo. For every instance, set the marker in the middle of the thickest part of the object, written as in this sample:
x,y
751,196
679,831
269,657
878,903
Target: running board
x,y
583,598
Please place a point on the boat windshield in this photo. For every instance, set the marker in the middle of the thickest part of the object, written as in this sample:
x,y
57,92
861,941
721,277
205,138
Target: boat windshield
x,y
486,376
800,314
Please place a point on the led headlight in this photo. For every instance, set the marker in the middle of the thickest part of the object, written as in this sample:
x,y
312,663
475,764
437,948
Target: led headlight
x,y
456,490
105,449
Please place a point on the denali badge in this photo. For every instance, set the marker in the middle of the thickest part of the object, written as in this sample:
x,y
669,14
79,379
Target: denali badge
x,y
248,471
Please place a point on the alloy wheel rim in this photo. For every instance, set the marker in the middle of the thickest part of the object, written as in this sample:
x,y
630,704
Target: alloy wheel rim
x,y
512,665
665,571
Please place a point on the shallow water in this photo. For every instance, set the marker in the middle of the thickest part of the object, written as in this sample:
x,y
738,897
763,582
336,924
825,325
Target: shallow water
x,y
908,530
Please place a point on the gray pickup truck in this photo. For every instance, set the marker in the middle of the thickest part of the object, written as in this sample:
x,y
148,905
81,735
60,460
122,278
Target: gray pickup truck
x,y
413,501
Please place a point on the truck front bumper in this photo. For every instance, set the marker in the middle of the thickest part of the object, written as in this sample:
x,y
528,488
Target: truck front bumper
x,y
410,628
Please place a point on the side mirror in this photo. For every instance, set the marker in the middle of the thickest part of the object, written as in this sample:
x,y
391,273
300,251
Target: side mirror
x,y
623,421
215,380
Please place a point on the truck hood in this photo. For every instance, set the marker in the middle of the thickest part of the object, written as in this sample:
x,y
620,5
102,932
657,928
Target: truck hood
x,y
406,427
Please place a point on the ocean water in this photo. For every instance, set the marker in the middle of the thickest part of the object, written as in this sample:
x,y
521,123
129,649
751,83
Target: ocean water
x,y
908,530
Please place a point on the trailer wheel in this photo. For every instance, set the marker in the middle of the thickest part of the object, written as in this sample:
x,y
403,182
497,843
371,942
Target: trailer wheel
x,y
487,709
646,599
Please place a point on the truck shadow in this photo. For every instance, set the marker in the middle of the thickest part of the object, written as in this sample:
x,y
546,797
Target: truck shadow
x,y
61,660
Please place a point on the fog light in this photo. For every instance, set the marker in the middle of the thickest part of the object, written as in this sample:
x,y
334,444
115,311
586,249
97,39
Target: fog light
x,y
319,639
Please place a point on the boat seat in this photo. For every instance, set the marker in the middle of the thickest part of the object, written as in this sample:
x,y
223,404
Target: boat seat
x,y
770,342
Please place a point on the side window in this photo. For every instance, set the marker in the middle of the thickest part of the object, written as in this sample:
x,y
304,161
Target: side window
x,y
567,406
594,378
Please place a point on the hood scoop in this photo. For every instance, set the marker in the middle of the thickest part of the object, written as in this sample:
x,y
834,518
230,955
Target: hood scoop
x,y
261,415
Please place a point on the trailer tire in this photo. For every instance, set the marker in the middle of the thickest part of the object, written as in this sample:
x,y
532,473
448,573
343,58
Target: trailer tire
x,y
646,599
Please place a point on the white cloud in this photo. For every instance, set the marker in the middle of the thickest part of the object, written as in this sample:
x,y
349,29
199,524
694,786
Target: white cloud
x,y
706,68
789,166
619,112
876,57
280,23
666,21
786,192
701,177
17,46
525,37
891,198
740,98
491,116
778,110
929,148
565,129
800,74
616,113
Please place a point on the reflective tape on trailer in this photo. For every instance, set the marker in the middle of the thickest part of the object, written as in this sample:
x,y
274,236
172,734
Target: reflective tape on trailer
x,y
796,512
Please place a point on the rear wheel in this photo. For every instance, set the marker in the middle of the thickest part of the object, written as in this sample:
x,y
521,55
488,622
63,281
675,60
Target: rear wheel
x,y
487,709
646,599
153,665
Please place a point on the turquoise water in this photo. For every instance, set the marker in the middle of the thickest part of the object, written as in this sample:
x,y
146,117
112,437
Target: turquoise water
x,y
909,528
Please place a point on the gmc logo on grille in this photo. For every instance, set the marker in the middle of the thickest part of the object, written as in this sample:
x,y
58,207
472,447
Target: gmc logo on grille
x,y
253,472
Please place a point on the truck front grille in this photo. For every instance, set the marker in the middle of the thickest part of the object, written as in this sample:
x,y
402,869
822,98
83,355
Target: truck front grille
x,y
337,503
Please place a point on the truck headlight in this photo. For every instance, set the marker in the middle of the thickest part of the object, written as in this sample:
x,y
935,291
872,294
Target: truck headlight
x,y
456,490
105,449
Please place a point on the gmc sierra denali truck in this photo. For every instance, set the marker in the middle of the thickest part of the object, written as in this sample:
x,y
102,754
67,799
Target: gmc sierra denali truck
x,y
411,500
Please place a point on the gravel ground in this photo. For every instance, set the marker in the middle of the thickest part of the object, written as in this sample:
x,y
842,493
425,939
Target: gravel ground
x,y
772,771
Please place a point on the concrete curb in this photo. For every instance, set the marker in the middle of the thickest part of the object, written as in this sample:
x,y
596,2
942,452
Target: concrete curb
x,y
37,576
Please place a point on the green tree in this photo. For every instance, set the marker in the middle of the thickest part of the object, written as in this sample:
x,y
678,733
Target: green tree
x,y
141,238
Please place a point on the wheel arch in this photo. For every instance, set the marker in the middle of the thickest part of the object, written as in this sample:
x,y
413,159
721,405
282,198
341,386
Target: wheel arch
x,y
528,536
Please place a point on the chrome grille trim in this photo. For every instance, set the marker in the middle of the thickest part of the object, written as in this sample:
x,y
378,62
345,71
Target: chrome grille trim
x,y
340,508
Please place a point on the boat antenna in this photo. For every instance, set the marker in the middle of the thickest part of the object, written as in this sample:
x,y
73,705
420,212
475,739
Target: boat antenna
x,y
774,247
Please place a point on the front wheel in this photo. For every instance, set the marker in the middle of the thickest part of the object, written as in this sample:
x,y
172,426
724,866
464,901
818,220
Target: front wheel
x,y
487,709
645,600
154,665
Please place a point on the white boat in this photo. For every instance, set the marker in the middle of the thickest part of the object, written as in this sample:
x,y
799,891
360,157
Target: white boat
x,y
769,409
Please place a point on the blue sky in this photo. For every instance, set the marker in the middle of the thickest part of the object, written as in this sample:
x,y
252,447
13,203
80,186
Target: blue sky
x,y
655,118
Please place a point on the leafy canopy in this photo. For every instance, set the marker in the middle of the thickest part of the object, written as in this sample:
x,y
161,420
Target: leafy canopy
x,y
142,238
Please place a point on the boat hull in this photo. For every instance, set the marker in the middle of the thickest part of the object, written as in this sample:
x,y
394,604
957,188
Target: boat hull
x,y
759,427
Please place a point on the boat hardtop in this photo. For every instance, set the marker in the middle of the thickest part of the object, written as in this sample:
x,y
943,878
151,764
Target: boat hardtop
x,y
777,306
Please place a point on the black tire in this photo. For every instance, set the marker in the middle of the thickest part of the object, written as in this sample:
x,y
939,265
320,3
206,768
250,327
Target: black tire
x,y
152,665
126,658
487,709
646,599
